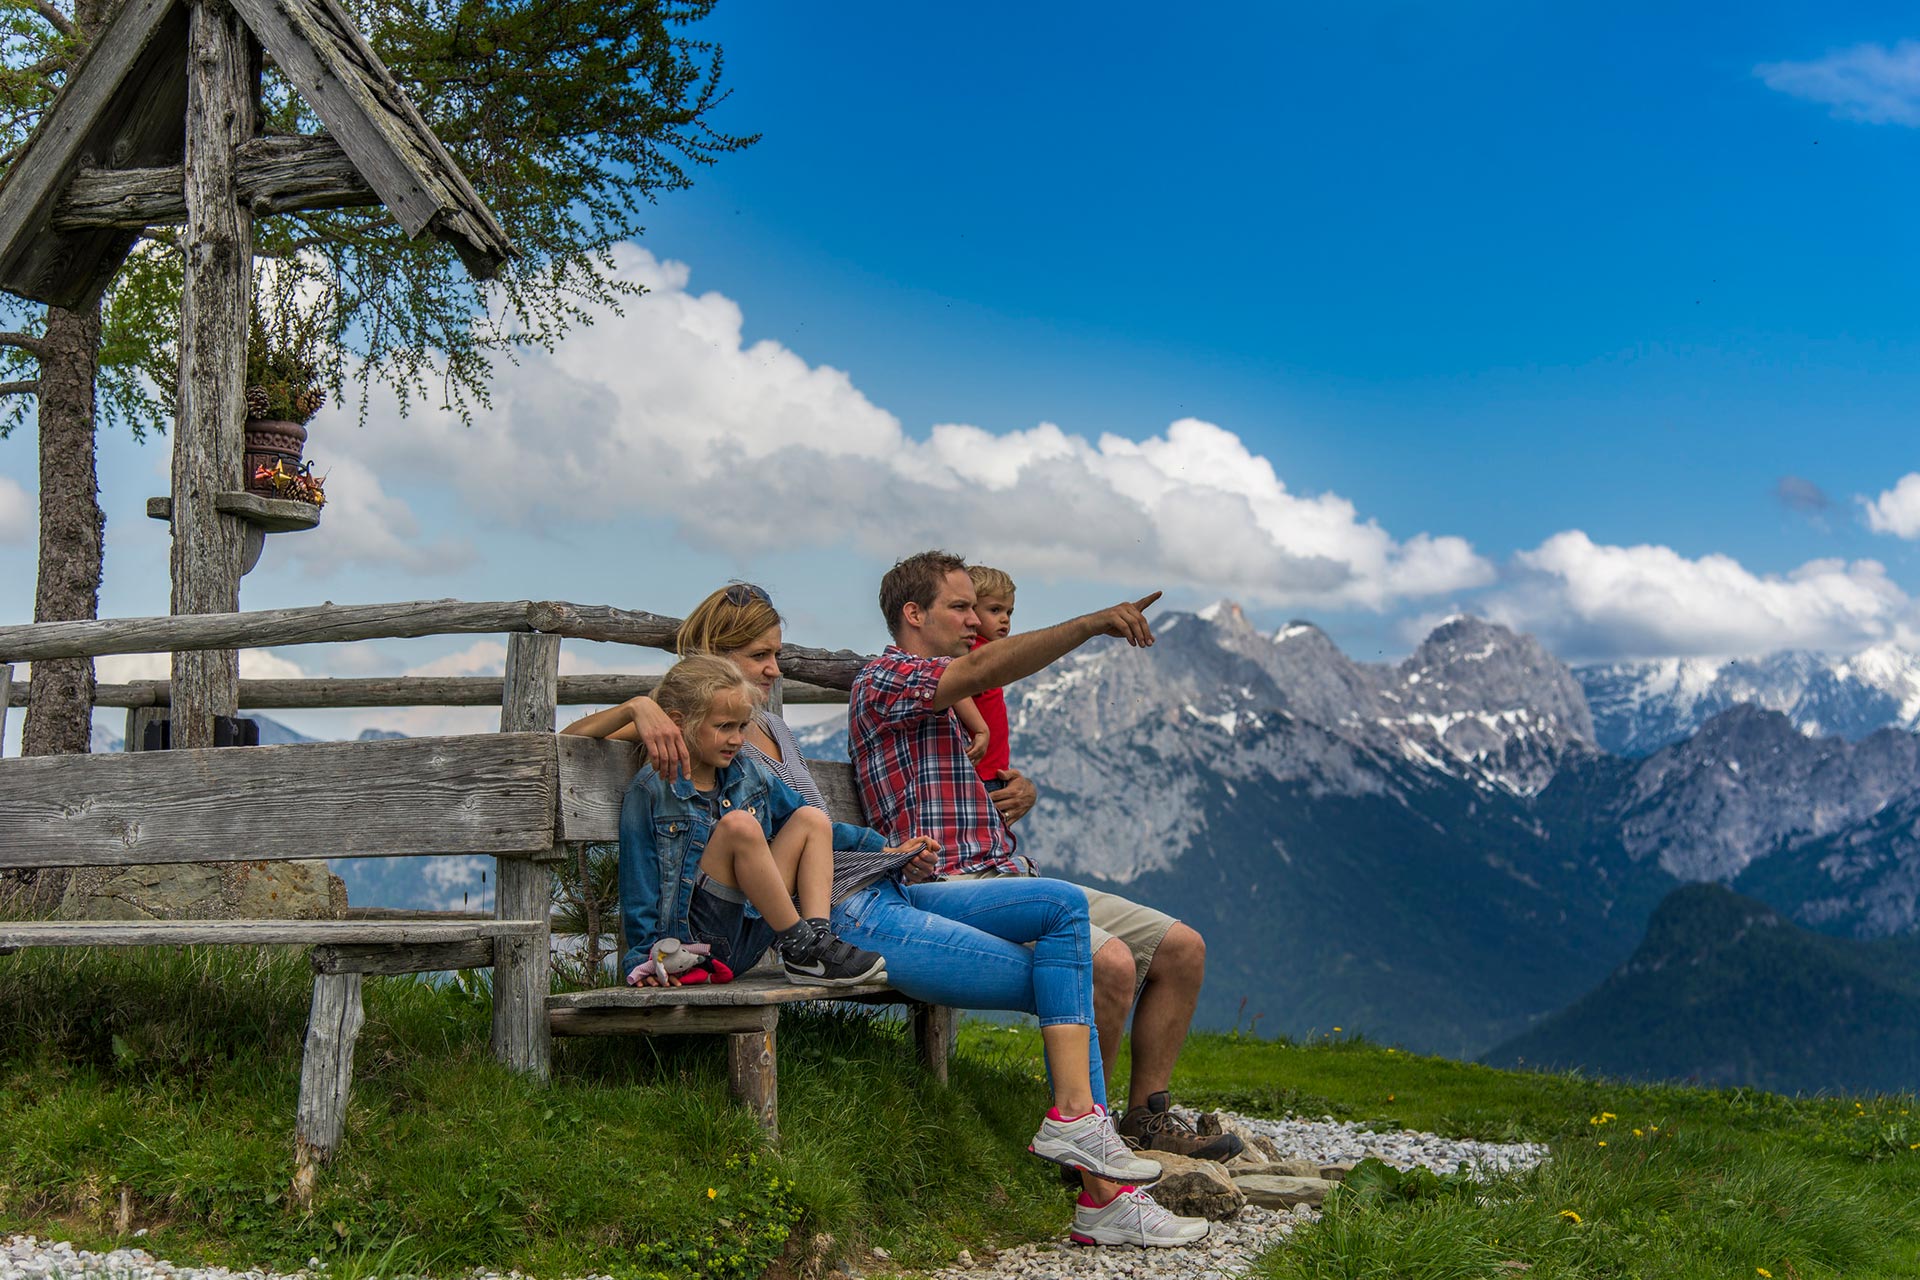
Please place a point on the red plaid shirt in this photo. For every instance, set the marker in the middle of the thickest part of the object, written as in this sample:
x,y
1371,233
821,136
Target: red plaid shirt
x,y
911,763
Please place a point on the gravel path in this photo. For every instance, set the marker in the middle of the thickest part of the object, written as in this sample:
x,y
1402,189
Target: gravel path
x,y
1226,1252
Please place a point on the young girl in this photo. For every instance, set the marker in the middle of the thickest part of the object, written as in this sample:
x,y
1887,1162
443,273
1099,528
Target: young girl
x,y
697,847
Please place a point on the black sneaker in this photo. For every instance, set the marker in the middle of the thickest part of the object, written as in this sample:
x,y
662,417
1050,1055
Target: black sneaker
x,y
818,958
1155,1127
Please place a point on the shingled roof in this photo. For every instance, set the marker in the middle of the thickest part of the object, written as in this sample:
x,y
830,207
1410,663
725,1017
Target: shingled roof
x,y
124,107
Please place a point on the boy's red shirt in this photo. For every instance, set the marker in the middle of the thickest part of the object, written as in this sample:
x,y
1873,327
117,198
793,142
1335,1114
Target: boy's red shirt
x,y
992,705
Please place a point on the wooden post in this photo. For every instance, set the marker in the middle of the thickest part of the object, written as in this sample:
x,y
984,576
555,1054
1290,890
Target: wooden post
x,y
6,691
138,718
934,1029
326,1076
523,888
208,448
753,1075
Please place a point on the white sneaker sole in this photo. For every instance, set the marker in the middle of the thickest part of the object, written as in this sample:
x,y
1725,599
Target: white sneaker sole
x,y
1145,1172
878,973
1103,1236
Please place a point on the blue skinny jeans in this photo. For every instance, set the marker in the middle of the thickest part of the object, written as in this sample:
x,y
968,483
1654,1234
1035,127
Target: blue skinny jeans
x,y
959,943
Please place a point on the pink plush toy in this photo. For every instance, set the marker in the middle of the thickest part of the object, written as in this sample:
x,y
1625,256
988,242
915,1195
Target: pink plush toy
x,y
687,963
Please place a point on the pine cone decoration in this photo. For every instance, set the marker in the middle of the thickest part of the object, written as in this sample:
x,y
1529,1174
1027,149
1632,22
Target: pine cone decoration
x,y
257,402
309,402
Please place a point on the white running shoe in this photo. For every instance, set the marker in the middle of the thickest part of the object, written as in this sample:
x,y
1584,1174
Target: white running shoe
x,y
1090,1143
1132,1217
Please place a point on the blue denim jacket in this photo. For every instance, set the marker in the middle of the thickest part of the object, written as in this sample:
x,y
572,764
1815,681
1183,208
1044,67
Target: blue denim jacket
x,y
664,829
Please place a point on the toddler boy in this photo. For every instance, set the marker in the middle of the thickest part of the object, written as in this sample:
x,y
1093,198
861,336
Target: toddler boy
x,y
993,591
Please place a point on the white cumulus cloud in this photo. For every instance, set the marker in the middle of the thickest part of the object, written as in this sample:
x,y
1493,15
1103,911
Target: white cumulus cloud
x,y
1869,82
1589,600
1897,510
669,409
19,514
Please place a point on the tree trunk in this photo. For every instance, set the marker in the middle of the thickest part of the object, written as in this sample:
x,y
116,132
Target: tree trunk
x,y
59,717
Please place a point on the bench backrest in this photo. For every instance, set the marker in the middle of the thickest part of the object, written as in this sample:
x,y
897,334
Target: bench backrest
x,y
594,774
490,793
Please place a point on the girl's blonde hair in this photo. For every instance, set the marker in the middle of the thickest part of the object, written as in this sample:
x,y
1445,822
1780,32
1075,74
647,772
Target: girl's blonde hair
x,y
731,618
691,685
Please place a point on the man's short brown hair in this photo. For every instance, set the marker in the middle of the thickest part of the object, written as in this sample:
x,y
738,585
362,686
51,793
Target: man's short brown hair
x,y
915,580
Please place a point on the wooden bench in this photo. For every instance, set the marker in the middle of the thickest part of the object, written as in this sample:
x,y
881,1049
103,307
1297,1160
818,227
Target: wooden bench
x,y
481,794
593,779
522,796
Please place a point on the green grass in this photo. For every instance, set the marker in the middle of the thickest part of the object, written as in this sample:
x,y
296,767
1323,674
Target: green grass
x,y
165,1082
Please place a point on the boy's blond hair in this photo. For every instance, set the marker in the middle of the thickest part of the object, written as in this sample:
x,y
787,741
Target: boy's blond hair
x,y
691,685
990,583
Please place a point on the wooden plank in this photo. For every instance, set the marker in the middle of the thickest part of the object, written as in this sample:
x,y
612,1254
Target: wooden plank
x,y
272,175
403,957
326,1076
594,774
273,515
665,1020
6,699
215,306
837,786
753,990
523,969
19,934
753,1076
122,106
407,691
317,46
483,793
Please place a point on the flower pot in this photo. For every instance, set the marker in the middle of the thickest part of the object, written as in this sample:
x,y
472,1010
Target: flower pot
x,y
268,442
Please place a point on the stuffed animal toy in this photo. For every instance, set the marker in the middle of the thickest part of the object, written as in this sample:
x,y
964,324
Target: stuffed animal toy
x,y
687,963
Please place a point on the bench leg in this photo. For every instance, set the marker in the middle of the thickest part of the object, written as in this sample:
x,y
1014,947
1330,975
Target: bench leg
x,y
523,890
753,1073
326,1076
934,1028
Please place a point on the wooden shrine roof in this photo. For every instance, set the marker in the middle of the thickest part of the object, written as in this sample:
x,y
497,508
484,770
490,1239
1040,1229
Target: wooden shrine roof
x,y
124,107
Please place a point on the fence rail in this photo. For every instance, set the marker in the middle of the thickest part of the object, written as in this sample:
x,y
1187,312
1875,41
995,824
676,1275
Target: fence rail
x,y
330,623
407,691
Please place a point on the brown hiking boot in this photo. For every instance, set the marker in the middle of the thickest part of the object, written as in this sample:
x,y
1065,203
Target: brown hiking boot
x,y
1155,1127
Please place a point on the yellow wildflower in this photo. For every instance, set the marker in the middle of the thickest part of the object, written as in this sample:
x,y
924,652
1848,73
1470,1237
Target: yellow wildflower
x,y
1336,1028
711,1193
1638,1134
1602,1142
1570,1216
1762,1271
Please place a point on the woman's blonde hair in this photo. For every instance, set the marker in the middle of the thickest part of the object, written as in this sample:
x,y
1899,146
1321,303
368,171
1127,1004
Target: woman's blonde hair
x,y
731,618
688,690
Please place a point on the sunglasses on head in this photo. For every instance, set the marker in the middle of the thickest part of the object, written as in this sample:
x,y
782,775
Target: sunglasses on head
x,y
742,594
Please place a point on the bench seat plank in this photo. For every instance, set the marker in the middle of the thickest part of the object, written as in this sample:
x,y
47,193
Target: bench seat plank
x,y
755,989
477,794
17,934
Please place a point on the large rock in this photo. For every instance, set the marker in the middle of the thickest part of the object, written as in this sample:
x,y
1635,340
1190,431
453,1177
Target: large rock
x,y
1194,1188
1271,1191
303,890
1241,1167
1256,1146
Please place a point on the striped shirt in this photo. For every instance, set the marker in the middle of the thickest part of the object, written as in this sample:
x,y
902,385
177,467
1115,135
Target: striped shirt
x,y
852,869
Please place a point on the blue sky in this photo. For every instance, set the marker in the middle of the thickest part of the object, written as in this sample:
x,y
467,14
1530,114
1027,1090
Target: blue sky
x,y
1603,321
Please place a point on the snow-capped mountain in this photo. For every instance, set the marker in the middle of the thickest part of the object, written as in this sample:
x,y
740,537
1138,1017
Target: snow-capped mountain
x,y
1639,707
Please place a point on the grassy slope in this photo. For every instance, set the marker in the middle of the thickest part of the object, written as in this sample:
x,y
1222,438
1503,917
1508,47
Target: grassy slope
x,y
170,1078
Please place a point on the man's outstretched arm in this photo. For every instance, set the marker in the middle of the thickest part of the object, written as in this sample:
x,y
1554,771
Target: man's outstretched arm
x,y
1018,656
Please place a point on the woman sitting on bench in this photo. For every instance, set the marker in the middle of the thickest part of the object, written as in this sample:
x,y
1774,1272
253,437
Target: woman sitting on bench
x,y
971,947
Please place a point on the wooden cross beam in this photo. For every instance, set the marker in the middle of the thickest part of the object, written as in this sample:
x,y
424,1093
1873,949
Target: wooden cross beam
x,y
273,175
